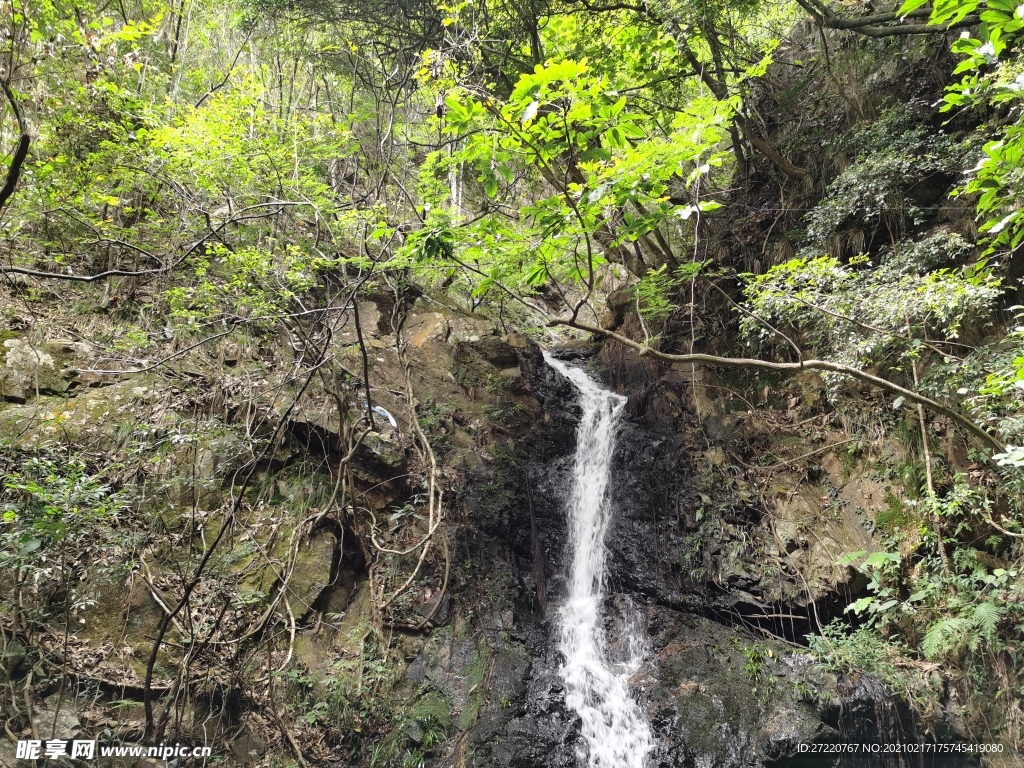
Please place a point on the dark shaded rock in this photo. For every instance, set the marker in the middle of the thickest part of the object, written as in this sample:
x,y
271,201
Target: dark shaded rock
x,y
496,351
439,608
716,695
619,303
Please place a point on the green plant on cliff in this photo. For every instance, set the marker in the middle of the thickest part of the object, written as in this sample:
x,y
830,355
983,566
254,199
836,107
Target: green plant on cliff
x,y
992,71
865,650
864,314
892,157
353,695
963,611
53,505
51,498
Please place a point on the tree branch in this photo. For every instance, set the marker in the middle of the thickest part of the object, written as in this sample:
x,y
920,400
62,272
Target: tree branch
x,y
214,232
816,365
909,29
870,25
721,92
20,152
80,278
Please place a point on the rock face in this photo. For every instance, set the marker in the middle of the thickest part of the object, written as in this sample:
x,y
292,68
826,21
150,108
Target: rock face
x,y
477,686
29,370
718,690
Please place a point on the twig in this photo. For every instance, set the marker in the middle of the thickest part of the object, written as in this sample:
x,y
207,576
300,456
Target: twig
x,y
811,453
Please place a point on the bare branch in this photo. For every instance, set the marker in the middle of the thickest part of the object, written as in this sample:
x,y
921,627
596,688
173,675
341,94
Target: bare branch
x,y
80,278
20,152
815,365
870,25
279,206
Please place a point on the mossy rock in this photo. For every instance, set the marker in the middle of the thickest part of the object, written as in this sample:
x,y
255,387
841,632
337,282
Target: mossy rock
x,y
101,419
29,370
432,709
475,676
312,571
382,450
125,618
895,517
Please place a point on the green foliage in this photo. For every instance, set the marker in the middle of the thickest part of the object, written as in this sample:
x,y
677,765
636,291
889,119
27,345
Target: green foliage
x,y
861,314
758,667
51,498
894,517
963,611
563,114
992,79
969,630
990,384
880,567
655,292
864,650
353,695
892,157
959,617
229,198
57,514
258,169
936,251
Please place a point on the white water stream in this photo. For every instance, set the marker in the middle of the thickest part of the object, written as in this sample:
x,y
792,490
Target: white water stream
x,y
615,730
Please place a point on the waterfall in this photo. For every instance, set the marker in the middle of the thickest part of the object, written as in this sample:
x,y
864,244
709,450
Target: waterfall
x,y
614,728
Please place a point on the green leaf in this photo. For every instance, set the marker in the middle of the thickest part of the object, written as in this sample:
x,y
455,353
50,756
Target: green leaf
x,y
27,546
537,276
878,559
860,606
944,636
851,558
910,6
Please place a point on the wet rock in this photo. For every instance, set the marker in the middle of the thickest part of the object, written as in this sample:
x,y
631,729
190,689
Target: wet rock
x,y
724,699
715,696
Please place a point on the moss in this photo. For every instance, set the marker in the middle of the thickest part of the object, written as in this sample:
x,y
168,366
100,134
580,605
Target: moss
x,y
475,673
432,709
894,517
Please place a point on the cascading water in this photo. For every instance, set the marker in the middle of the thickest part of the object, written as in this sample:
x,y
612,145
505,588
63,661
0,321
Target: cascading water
x,y
615,730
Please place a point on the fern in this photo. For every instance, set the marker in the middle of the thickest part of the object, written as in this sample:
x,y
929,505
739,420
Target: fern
x,y
986,617
945,636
